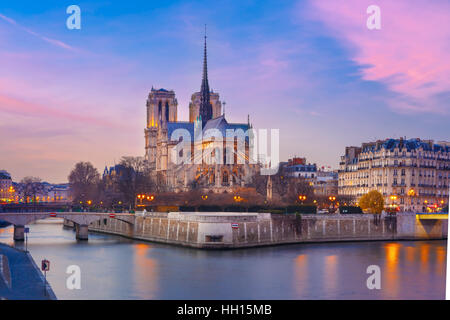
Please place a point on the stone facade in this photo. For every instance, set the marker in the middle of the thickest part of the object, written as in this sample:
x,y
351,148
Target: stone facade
x,y
194,106
200,152
411,174
6,187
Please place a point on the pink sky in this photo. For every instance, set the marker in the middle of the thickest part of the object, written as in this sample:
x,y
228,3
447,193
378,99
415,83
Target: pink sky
x,y
410,54
68,96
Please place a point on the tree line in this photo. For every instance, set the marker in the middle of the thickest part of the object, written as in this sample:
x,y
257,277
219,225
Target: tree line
x,y
132,177
119,187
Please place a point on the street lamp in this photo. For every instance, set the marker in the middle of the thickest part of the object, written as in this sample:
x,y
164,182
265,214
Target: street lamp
x,y
393,198
140,197
237,198
332,199
302,198
204,197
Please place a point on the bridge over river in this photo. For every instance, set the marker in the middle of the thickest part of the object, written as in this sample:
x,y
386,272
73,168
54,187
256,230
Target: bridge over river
x,y
81,220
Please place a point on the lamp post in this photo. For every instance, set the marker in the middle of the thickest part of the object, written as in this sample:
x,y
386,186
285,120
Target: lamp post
x,y
140,197
301,198
332,199
393,198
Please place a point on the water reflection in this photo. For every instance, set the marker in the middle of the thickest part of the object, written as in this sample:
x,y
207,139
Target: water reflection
x,y
145,272
330,273
392,274
301,274
117,268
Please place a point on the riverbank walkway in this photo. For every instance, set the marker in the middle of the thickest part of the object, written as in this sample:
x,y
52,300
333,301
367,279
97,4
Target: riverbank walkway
x,y
20,278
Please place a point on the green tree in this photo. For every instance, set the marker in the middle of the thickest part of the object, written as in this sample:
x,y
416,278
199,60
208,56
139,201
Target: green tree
x,y
373,202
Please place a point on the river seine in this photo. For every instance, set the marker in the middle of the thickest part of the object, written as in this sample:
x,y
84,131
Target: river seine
x,y
113,267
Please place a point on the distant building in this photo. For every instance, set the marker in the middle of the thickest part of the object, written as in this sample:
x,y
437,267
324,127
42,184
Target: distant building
x,y
58,193
323,180
113,171
6,187
298,168
326,183
412,175
295,161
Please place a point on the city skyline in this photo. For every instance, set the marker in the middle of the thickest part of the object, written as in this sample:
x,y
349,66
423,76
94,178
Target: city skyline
x,y
313,70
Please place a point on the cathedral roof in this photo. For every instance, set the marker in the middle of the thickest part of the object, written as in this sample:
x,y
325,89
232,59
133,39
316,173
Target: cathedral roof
x,y
222,124
219,123
172,126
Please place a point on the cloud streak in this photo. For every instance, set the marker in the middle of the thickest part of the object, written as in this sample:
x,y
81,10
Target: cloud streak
x,y
16,106
410,54
54,42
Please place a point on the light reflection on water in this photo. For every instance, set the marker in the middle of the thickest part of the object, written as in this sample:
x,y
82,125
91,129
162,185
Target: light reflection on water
x,y
117,268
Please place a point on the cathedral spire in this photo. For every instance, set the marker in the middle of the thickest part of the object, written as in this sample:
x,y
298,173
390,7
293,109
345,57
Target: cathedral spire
x,y
205,103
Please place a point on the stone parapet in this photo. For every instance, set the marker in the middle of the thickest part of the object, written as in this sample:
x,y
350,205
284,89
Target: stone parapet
x,y
240,230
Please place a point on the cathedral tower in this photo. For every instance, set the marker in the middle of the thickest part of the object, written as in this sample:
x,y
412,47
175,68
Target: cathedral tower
x,y
161,108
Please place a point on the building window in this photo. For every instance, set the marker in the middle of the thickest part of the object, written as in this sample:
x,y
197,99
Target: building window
x,y
167,111
160,111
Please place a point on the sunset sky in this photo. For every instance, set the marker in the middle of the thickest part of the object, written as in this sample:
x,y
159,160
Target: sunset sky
x,y
310,68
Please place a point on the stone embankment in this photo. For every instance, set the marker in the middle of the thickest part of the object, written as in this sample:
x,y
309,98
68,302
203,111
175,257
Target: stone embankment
x,y
240,230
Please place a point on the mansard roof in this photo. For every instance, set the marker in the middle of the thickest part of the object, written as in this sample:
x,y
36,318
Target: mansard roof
x,y
410,144
4,176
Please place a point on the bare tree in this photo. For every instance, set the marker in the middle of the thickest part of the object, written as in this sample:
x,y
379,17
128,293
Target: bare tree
x,y
298,186
134,178
32,187
83,182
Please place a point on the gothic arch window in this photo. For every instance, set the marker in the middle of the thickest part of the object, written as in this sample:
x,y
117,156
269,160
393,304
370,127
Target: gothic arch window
x,y
160,110
167,111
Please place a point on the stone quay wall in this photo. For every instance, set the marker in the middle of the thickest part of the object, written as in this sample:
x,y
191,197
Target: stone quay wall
x,y
239,230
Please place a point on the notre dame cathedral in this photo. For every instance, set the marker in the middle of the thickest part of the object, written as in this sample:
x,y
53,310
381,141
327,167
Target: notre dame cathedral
x,y
217,161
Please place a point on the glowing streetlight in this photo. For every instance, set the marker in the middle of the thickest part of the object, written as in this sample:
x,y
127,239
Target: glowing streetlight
x,y
301,198
393,198
332,199
140,197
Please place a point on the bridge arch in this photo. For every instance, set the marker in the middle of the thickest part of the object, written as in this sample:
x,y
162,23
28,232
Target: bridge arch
x,y
81,220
